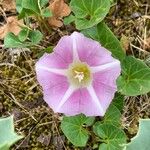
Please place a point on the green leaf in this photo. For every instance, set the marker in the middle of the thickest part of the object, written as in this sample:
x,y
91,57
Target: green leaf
x,y
89,121
23,34
31,5
35,36
19,5
73,128
46,12
118,101
12,41
49,49
112,137
69,19
135,79
142,140
89,12
112,116
7,135
46,50
43,2
25,13
113,2
103,34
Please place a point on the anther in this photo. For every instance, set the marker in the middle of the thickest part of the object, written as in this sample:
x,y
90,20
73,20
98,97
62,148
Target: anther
x,y
79,76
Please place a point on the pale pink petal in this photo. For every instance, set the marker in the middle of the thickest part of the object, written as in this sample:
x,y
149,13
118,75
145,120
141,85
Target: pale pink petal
x,y
71,107
52,60
104,84
108,77
108,66
104,93
91,51
64,49
46,78
54,94
80,102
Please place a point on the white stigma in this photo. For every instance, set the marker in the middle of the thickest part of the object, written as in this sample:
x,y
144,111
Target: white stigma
x,y
79,76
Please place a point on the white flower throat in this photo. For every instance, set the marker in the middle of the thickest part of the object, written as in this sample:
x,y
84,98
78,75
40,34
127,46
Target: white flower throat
x,y
79,74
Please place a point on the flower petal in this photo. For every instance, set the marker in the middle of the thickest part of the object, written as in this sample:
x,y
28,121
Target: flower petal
x,y
95,100
55,94
74,43
104,67
64,48
66,96
105,86
81,102
104,93
67,48
49,70
52,60
91,51
108,76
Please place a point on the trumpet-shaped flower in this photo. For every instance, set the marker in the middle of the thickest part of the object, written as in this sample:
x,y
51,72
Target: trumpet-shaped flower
x,y
78,77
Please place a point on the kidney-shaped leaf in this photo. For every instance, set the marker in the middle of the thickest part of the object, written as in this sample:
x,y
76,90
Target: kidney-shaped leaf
x,y
7,135
135,79
142,140
89,12
12,41
113,138
73,128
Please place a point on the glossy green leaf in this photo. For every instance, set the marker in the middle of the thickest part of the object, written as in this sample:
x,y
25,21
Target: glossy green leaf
x,y
118,101
35,36
7,135
112,116
142,140
74,129
135,79
89,12
112,138
103,34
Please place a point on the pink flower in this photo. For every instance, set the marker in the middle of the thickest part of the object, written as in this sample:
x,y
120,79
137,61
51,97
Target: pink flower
x,y
78,77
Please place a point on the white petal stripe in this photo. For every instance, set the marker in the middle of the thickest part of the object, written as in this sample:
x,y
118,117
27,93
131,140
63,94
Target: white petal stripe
x,y
95,99
75,51
68,93
105,66
53,70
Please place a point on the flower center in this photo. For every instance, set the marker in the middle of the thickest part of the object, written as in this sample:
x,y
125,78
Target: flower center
x,y
79,74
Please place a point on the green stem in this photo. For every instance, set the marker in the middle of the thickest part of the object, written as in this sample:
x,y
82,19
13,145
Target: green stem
x,y
45,24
